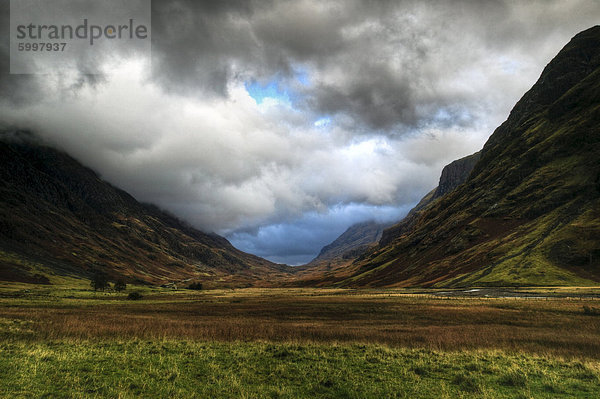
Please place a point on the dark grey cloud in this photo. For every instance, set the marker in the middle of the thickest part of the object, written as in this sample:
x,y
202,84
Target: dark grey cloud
x,y
23,89
375,98
378,65
196,43
379,100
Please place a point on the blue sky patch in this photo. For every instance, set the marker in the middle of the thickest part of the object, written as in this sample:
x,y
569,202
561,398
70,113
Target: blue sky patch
x,y
272,89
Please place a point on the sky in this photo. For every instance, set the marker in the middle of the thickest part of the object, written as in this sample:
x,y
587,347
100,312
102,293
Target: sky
x,y
279,124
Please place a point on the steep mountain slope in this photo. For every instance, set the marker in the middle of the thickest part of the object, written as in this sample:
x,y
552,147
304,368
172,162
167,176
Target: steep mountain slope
x,y
530,210
361,237
453,175
59,220
353,242
335,260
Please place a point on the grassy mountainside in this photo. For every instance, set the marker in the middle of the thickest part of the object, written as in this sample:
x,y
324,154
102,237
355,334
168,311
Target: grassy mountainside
x,y
60,221
335,260
530,211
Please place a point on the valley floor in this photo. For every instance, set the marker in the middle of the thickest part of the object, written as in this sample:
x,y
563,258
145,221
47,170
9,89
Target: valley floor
x,y
292,343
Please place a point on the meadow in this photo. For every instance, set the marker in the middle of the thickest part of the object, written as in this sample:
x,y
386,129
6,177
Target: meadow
x,y
293,343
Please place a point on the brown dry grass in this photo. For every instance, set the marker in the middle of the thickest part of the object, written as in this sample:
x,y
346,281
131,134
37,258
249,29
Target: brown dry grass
x,y
556,326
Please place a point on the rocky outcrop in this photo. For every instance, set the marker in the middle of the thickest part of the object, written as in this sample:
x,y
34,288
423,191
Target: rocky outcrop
x,y
528,212
455,174
360,237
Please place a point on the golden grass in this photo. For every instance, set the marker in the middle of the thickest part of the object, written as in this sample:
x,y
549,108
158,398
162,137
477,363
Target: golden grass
x,y
555,326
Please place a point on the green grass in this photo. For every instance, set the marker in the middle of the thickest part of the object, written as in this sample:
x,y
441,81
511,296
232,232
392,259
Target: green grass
x,y
184,369
295,343
29,268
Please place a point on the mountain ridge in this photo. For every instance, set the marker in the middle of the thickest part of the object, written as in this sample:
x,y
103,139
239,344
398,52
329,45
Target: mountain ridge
x,y
359,237
352,242
58,213
335,259
529,214
453,175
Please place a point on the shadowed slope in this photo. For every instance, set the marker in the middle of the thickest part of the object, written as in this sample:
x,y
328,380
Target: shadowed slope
x,y
58,218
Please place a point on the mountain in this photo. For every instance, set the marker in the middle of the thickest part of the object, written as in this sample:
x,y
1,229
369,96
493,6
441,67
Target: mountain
x,y
353,242
529,213
453,175
361,237
60,221
334,261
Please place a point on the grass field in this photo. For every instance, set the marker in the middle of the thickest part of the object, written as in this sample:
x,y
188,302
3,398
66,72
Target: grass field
x,y
295,343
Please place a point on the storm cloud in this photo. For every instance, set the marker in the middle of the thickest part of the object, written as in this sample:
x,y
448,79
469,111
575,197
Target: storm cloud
x,y
280,123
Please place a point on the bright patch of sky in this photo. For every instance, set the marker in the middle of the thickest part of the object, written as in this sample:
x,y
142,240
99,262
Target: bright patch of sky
x,y
323,122
302,76
277,88
272,89
510,66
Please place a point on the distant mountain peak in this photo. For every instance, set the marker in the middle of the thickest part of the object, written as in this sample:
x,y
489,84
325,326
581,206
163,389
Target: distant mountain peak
x,y
360,237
